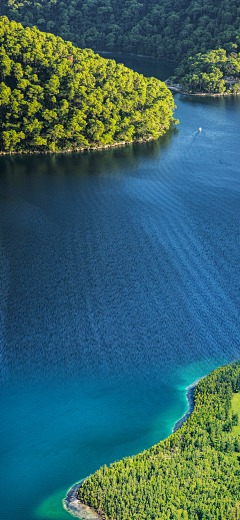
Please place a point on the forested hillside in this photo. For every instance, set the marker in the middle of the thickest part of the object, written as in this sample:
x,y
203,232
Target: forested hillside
x,y
213,72
160,28
192,475
54,96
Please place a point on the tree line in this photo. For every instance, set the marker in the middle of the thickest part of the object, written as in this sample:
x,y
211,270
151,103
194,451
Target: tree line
x,y
54,96
167,29
213,72
193,475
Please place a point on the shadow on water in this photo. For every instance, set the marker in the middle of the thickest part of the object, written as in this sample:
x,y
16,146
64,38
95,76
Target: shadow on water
x,y
94,162
119,287
143,64
219,102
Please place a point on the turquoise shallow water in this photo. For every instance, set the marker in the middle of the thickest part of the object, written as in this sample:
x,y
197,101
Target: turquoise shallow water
x,y
119,287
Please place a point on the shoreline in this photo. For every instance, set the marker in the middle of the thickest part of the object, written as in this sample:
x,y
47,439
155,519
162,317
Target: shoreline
x,y
177,89
132,55
76,508
190,399
84,149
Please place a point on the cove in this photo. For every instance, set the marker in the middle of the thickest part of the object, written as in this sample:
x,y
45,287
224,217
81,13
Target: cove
x,y
119,287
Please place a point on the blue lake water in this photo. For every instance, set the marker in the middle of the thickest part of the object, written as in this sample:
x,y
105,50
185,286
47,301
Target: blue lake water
x,y
120,286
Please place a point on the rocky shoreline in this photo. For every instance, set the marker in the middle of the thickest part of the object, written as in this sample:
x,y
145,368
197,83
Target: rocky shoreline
x,y
76,508
190,399
179,89
84,149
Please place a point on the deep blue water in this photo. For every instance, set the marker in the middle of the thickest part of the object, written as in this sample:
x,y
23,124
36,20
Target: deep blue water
x,y
120,286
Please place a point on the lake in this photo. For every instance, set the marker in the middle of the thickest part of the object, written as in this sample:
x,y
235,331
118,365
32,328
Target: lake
x,y
120,286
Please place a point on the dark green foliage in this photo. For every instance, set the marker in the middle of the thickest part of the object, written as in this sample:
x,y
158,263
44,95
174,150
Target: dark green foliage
x,y
160,28
214,72
235,419
54,96
192,475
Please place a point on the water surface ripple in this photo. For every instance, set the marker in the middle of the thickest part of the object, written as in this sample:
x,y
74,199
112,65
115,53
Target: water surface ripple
x,y
119,287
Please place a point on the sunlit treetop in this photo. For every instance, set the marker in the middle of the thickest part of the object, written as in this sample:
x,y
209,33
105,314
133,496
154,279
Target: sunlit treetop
x,y
54,96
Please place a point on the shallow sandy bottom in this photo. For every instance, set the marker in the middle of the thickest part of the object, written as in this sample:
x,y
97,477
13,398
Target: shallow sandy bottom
x,y
76,508
72,504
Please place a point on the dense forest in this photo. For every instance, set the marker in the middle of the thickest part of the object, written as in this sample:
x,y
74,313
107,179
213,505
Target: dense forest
x,y
213,72
159,28
193,475
54,96
173,30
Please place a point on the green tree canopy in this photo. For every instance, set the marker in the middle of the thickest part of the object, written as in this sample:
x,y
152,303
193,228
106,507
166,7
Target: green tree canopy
x,y
54,96
160,28
213,72
194,474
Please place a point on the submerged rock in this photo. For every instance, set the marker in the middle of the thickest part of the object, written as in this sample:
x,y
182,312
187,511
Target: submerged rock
x,y
73,505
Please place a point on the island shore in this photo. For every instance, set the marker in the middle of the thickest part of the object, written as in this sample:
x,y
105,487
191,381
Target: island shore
x,y
76,508
179,89
190,399
83,149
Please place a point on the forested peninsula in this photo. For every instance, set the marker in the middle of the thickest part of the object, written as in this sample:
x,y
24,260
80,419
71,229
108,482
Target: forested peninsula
x,y
164,29
193,475
54,96
215,72
189,32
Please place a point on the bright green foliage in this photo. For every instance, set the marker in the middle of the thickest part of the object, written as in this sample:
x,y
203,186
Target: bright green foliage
x,y
192,475
54,96
236,413
214,72
160,28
